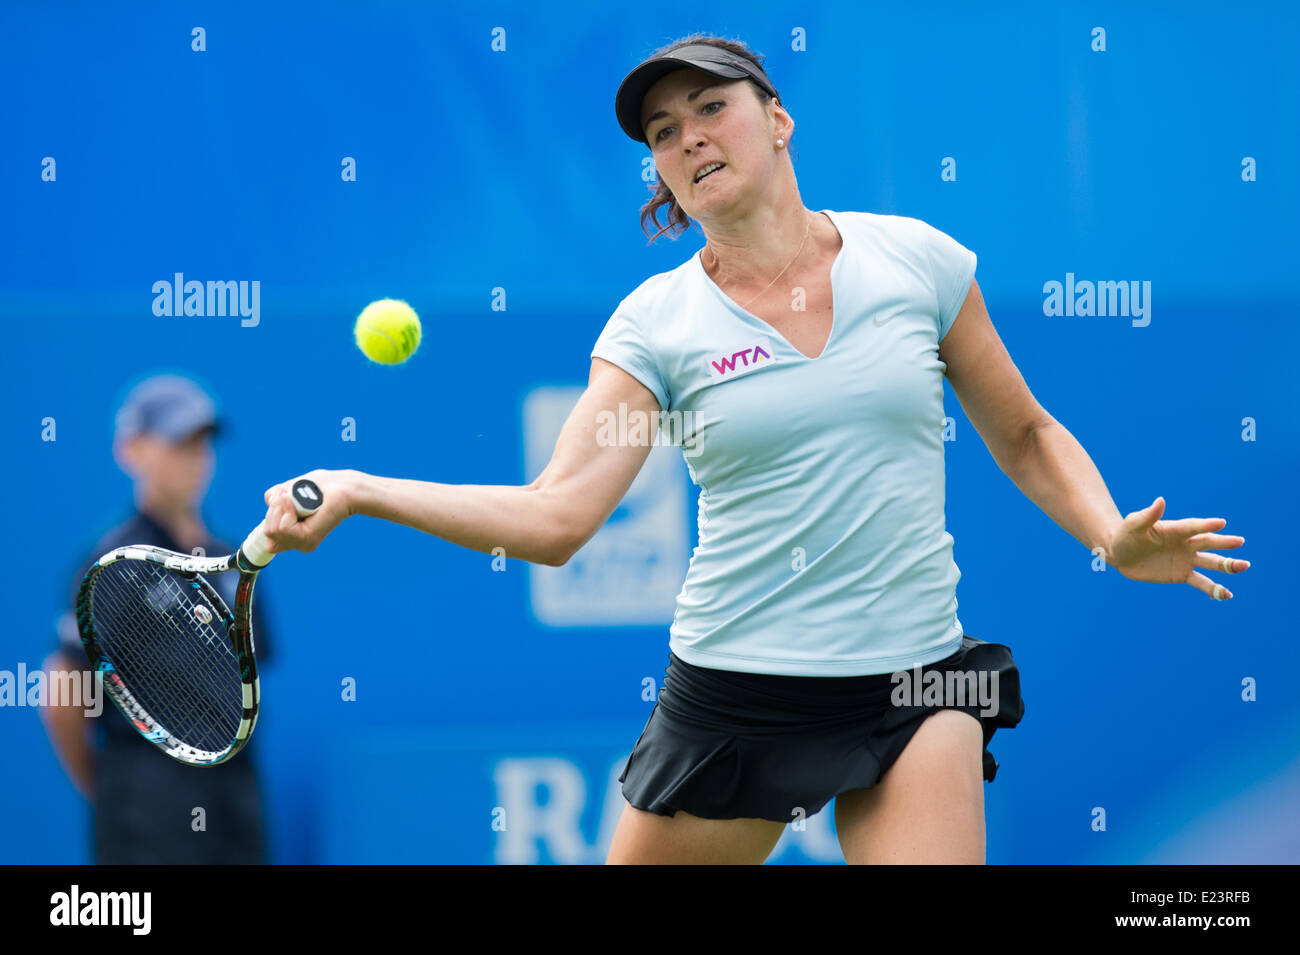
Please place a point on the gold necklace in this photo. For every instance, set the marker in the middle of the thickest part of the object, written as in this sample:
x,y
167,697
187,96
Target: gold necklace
x,y
745,308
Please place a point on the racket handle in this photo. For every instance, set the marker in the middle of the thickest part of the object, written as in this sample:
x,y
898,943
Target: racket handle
x,y
307,499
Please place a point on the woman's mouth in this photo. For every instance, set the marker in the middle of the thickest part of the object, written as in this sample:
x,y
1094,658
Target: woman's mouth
x,y
716,167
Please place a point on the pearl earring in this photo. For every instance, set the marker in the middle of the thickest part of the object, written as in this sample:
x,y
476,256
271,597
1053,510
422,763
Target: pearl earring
x,y
780,143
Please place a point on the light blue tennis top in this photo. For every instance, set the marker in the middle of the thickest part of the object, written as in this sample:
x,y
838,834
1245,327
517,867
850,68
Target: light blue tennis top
x,y
822,546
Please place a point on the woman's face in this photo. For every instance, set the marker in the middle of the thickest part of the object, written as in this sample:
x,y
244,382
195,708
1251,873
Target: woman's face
x,y
691,119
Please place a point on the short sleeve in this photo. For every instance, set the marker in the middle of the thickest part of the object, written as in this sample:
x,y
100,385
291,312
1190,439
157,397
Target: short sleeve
x,y
952,267
623,343
69,638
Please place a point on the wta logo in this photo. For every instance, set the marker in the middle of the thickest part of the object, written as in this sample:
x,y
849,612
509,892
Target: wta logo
x,y
751,358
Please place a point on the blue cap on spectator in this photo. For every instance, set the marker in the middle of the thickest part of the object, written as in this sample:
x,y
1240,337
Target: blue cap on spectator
x,y
169,406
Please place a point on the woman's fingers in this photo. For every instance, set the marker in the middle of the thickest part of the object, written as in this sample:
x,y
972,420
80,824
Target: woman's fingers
x,y
282,529
286,529
1148,515
278,513
1215,541
1227,565
1195,525
1203,583
283,525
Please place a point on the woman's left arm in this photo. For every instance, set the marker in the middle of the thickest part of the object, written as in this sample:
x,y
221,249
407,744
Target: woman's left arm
x,y
1051,468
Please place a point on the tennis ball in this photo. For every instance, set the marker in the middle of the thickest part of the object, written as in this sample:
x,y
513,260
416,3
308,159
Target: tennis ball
x,y
388,331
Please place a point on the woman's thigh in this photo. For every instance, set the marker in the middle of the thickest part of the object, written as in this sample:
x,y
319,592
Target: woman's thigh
x,y
647,838
928,807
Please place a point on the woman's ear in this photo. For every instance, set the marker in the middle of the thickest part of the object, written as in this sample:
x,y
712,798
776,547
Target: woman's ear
x,y
782,122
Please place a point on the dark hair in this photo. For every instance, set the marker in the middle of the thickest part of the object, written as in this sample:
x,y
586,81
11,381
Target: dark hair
x,y
679,221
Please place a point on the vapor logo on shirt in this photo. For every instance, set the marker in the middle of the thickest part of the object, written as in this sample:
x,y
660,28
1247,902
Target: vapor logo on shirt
x,y
730,365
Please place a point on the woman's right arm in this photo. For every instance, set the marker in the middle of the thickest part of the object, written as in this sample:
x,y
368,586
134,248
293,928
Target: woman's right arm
x,y
544,522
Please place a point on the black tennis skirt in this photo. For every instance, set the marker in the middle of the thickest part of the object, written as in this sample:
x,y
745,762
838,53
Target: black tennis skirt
x,y
726,745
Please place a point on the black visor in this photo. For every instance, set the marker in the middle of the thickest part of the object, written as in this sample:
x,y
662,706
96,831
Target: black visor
x,y
701,56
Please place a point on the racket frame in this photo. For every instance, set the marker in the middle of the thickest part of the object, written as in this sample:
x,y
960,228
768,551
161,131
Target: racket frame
x,y
239,629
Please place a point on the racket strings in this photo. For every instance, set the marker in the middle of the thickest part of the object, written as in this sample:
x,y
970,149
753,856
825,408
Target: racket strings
x,y
170,647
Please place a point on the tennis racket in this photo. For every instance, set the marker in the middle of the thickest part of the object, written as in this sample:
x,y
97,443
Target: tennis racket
x,y
174,658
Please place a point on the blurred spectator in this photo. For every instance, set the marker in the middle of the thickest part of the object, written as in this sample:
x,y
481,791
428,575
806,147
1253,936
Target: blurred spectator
x,y
143,802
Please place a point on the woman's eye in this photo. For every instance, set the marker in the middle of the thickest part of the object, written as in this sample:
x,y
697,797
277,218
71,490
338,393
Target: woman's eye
x,y
660,135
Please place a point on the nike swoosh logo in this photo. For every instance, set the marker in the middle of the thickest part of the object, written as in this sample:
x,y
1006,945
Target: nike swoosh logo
x,y
876,319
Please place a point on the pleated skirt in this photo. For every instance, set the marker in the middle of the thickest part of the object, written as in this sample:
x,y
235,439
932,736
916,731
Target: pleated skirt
x,y
721,744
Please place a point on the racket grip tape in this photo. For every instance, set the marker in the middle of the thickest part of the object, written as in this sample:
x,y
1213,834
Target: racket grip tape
x,y
307,499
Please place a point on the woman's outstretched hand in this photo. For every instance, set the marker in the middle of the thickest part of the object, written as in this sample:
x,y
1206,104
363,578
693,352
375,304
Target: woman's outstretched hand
x,y
1143,547
287,531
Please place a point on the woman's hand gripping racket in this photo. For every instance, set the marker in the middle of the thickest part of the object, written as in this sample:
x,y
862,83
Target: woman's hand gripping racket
x,y
175,660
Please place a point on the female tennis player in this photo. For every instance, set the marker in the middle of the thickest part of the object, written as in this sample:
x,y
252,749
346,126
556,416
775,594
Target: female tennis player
x,y
811,347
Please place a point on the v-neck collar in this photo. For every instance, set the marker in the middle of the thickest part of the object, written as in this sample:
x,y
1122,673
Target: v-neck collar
x,y
835,311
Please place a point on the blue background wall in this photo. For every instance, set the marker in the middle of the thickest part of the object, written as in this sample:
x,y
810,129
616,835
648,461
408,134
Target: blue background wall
x,y
480,170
